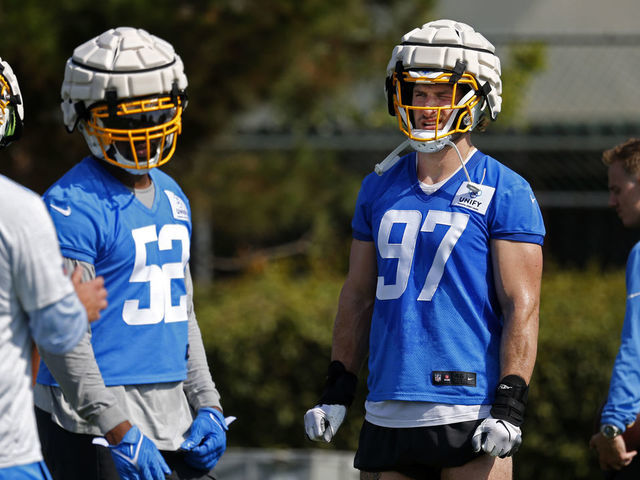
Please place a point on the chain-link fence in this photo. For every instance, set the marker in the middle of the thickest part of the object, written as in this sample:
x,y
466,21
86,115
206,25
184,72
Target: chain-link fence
x,y
581,101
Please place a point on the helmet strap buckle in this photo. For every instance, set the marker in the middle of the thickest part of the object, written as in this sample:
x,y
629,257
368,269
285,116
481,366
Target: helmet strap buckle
x,y
458,71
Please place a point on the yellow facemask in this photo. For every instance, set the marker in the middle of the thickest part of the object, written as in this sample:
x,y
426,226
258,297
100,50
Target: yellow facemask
x,y
137,134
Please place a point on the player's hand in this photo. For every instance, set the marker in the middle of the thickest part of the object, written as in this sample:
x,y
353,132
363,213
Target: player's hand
x,y
137,458
497,437
207,439
322,421
92,294
612,453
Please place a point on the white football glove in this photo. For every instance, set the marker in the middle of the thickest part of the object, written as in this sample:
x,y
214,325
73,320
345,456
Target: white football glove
x,y
322,421
497,437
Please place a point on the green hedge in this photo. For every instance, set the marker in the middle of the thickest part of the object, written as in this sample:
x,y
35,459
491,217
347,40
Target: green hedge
x,y
268,337
580,322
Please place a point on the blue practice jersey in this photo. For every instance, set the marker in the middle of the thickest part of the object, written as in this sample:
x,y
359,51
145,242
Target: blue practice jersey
x,y
623,403
436,325
142,253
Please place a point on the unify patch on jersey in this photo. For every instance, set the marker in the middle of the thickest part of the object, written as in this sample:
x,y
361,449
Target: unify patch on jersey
x,y
473,196
467,379
178,207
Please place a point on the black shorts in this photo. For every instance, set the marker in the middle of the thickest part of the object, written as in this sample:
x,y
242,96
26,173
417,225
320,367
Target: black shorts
x,y
419,453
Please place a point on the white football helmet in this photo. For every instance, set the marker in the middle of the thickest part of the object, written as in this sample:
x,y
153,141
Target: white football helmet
x,y
11,107
125,91
443,52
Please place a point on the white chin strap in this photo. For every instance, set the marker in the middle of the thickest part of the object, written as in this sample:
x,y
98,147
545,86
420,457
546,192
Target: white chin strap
x,y
470,185
391,159
394,157
427,146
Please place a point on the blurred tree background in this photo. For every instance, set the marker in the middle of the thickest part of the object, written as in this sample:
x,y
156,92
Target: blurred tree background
x,y
272,223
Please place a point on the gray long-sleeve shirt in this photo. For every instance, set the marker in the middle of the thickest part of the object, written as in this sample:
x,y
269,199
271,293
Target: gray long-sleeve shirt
x,y
162,411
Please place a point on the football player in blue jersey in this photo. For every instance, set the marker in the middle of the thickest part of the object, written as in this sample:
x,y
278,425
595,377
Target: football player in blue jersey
x,y
146,385
37,301
616,449
442,292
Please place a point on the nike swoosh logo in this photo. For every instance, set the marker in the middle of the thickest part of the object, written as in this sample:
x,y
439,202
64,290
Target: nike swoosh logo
x,y
64,211
505,427
633,295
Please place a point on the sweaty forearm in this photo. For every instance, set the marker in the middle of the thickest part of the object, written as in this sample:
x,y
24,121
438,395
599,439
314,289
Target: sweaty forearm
x,y
519,342
351,330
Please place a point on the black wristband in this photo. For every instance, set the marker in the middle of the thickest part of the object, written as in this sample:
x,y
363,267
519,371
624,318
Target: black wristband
x,y
511,399
340,387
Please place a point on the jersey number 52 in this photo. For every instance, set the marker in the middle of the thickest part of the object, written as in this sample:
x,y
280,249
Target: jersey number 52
x,y
158,277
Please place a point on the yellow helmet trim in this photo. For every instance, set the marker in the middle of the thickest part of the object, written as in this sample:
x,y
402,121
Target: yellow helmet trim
x,y
403,110
158,134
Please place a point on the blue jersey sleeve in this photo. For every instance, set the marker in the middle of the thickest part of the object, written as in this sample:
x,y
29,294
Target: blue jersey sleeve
x,y
623,403
77,225
517,215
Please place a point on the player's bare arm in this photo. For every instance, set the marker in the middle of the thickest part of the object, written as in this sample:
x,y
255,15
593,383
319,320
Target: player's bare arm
x,y
517,268
350,343
353,320
518,273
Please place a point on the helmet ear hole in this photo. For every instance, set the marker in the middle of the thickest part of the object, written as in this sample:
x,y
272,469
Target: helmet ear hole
x,y
388,86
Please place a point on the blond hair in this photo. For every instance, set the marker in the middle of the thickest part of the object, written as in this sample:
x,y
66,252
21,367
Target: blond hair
x,y
628,153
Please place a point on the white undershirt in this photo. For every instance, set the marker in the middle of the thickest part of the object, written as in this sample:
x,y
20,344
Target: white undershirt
x,y
401,414
432,188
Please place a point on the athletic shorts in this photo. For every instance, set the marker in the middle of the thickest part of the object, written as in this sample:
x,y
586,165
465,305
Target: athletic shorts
x,y
419,453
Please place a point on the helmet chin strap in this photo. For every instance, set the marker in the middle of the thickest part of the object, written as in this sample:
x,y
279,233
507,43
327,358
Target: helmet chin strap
x,y
470,185
392,158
